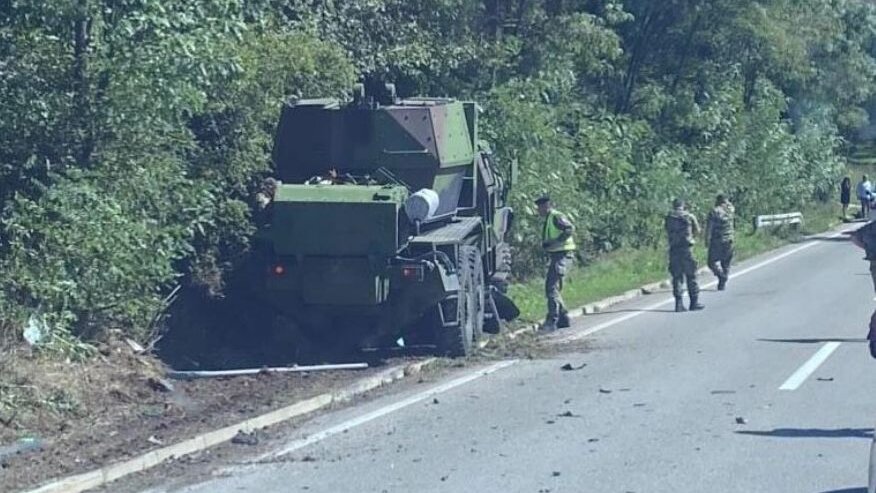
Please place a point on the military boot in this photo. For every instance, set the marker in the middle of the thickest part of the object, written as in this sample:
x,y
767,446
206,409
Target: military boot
x,y
679,305
695,304
563,321
722,283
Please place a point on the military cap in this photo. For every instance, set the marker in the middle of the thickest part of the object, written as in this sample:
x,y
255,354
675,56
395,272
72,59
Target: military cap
x,y
544,198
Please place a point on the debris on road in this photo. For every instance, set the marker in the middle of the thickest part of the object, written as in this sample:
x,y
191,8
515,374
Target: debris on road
x,y
722,392
741,421
830,379
569,367
435,400
245,439
568,414
604,391
154,441
555,474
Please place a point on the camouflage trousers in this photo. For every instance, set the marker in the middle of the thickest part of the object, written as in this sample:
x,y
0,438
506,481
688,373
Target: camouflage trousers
x,y
720,257
683,268
553,285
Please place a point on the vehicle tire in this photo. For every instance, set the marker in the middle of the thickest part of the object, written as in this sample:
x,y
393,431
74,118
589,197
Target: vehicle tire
x,y
459,339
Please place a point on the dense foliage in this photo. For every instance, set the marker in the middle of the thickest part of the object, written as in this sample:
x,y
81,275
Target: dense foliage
x,y
133,132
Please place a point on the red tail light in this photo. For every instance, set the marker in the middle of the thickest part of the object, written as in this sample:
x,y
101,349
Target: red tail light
x,y
413,272
279,270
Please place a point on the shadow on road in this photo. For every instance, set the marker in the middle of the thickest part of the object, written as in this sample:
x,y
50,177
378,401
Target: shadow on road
x,y
834,239
816,340
866,433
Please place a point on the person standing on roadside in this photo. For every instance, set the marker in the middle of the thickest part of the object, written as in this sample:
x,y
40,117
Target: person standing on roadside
x,y
865,195
681,229
558,242
720,234
846,196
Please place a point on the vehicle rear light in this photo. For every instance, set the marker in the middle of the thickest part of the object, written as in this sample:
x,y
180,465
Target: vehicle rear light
x,y
413,272
278,270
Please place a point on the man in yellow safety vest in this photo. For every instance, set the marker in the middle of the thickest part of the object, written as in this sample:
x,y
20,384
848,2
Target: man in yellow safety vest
x,y
558,241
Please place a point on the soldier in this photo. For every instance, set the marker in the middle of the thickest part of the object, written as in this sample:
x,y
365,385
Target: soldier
x,y
559,243
681,228
865,238
719,238
264,199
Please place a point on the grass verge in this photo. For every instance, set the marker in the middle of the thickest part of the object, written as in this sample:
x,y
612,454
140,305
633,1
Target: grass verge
x,y
620,271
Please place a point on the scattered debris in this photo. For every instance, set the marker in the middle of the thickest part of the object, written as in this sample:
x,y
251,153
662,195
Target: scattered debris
x,y
830,379
36,329
604,391
550,421
567,401
21,447
569,367
722,392
135,346
245,439
741,421
555,474
154,441
640,404
568,414
435,400
592,440
160,384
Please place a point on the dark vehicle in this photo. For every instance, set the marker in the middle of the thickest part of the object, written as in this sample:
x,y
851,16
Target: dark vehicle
x,y
390,221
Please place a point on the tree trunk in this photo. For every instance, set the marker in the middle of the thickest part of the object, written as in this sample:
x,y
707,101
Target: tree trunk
x,y
81,84
637,56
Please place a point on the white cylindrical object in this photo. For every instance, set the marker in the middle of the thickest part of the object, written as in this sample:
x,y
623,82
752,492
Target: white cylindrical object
x,y
422,205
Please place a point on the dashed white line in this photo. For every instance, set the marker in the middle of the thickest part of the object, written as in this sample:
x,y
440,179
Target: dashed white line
x,y
796,380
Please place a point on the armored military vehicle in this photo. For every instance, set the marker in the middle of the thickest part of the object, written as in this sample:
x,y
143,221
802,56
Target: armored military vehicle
x,y
390,220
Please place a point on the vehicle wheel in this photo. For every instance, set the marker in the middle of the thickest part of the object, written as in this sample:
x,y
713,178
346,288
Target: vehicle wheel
x,y
458,340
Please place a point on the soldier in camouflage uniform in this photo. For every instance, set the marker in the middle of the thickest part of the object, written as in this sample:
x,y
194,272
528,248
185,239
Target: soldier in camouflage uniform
x,y
264,200
681,229
865,237
558,242
719,238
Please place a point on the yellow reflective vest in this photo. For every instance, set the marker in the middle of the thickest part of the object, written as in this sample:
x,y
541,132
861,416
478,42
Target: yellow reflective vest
x,y
551,233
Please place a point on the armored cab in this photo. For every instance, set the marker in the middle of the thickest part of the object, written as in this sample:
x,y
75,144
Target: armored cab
x,y
390,221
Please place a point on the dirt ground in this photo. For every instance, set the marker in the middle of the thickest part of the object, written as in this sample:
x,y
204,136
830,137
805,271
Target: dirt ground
x,y
113,406
110,408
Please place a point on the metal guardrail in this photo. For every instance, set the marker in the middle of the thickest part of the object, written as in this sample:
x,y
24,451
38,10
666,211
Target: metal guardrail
x,y
793,218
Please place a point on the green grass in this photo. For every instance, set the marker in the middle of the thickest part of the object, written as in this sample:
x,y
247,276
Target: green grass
x,y
623,270
863,154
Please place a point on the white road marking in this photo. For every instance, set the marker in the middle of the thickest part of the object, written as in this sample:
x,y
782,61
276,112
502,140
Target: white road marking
x,y
378,413
796,380
578,335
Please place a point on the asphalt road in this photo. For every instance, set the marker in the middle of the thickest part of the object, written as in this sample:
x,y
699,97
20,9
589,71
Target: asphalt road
x,y
770,389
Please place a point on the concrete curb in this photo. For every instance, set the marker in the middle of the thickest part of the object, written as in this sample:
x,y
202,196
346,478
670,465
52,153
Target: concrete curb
x,y
647,289
604,304
107,474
